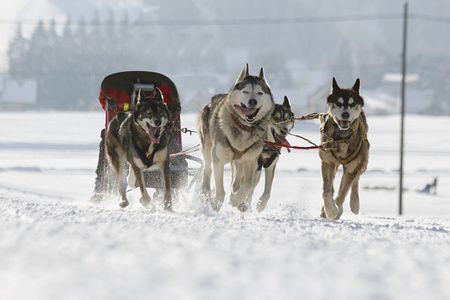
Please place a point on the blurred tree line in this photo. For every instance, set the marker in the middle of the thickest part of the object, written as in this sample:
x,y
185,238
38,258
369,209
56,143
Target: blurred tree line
x,y
69,60
69,66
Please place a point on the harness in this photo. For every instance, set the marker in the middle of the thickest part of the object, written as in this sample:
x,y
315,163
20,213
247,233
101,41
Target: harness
x,y
237,153
147,160
358,133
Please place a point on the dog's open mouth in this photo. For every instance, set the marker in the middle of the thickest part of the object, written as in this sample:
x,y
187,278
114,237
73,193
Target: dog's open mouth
x,y
154,133
280,139
344,125
249,112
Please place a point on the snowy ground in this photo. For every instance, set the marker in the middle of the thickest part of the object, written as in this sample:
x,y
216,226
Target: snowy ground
x,y
54,244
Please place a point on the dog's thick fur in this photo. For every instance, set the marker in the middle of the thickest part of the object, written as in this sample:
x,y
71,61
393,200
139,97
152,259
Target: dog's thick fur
x,y
232,128
345,131
141,138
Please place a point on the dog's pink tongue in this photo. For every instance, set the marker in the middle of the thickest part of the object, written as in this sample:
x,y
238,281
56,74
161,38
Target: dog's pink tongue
x,y
152,131
345,123
283,141
245,110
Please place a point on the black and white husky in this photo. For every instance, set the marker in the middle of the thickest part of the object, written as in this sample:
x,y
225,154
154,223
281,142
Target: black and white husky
x,y
344,131
282,124
233,127
141,138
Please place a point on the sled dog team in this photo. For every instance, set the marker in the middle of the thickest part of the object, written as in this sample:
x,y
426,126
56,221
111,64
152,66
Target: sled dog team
x,y
233,129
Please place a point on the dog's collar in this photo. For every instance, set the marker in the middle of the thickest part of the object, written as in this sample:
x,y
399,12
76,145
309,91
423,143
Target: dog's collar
x,y
240,125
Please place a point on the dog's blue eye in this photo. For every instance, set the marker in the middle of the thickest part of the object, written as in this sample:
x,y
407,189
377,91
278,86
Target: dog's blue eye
x,y
148,111
245,92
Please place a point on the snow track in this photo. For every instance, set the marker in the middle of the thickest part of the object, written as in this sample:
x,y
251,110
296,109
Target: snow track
x,y
54,244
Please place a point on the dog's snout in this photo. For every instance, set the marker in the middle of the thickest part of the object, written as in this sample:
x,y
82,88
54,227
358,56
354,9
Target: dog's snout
x,y
157,122
252,102
345,115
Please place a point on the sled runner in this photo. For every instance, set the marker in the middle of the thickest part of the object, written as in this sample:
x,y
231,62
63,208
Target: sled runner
x,y
119,93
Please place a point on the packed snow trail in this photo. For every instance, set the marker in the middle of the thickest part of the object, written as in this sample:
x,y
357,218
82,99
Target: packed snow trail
x,y
54,244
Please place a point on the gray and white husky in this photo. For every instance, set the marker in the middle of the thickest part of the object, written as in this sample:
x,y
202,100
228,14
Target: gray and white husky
x,y
282,123
233,127
141,138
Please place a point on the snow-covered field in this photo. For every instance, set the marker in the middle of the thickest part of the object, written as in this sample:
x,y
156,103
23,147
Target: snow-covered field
x,y
54,244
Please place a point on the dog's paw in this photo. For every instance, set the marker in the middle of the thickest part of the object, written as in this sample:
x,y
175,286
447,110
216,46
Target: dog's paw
x,y
354,206
96,198
145,201
261,205
234,201
323,214
215,205
331,210
205,196
242,207
124,203
168,206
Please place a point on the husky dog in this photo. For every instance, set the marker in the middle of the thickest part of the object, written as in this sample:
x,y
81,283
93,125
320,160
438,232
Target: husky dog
x,y
141,138
345,133
268,159
232,128
282,122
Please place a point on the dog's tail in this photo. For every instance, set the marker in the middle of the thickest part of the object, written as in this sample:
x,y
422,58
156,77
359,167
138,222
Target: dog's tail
x,y
203,122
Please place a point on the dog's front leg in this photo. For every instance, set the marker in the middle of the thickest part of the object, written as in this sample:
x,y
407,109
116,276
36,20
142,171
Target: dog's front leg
x,y
218,168
354,196
145,197
118,165
269,175
329,208
207,171
346,183
248,200
166,181
238,198
122,189
236,176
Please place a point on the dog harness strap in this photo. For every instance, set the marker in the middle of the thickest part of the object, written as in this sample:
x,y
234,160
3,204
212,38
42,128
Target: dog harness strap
x,y
351,156
146,159
240,125
237,153
358,130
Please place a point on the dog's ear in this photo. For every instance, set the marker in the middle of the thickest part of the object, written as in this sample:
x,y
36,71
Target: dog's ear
x,y
335,85
261,74
356,86
286,102
158,95
244,73
263,77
